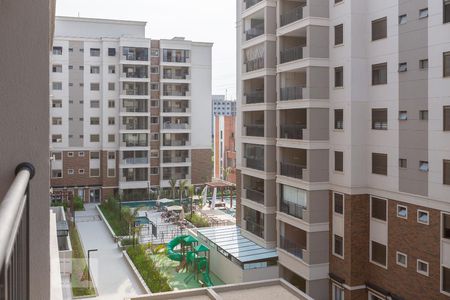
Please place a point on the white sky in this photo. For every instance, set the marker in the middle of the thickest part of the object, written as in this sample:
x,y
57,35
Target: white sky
x,y
197,20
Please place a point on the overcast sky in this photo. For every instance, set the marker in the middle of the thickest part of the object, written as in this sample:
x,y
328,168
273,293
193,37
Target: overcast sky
x,y
197,20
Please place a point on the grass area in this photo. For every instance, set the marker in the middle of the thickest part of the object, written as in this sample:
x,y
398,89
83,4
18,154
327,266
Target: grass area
x,y
156,281
80,284
197,220
118,225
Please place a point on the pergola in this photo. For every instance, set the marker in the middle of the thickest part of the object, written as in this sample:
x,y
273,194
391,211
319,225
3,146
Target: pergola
x,y
223,185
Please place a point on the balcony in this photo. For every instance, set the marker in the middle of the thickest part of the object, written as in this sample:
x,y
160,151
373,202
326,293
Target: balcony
x,y
176,106
293,247
294,132
255,163
254,195
176,126
135,54
254,97
255,228
291,16
176,90
133,175
293,122
134,140
171,157
133,160
134,123
134,106
176,56
250,3
292,209
135,89
139,72
255,31
254,64
254,130
291,93
291,54
175,139
292,170
176,73
177,173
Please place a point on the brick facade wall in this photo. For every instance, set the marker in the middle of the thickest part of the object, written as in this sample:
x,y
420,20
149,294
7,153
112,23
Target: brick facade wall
x,y
201,170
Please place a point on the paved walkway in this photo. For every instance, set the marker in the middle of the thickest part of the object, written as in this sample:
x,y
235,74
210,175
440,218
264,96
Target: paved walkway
x,y
112,276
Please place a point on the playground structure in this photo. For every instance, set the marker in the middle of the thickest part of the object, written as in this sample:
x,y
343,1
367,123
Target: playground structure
x,y
193,258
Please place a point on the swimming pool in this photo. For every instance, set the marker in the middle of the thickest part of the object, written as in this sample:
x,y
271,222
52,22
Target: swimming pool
x,y
152,203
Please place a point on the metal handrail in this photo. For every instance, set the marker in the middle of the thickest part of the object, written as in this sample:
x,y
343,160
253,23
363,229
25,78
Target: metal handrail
x,y
292,16
14,235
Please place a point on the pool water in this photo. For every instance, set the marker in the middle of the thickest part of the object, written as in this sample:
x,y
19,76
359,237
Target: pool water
x,y
152,203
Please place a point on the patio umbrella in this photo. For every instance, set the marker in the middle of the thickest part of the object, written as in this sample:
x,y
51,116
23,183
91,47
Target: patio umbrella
x,y
205,195
213,200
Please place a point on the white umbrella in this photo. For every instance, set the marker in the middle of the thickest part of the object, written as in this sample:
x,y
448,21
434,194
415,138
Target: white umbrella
x,y
213,200
205,195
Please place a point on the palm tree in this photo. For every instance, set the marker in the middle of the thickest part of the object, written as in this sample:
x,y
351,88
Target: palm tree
x,y
182,188
226,172
191,190
173,184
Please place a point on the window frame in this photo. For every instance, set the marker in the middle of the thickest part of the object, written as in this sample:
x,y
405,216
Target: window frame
x,y
387,164
428,218
445,18
386,212
334,246
400,165
336,36
334,204
379,68
425,9
444,68
338,122
341,70
427,273
382,36
371,255
341,170
341,292
403,19
405,265
397,210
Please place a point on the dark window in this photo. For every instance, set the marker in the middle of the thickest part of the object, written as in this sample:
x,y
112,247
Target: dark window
x,y
403,67
339,34
379,29
378,253
446,118
402,19
423,64
447,64
446,172
338,245
339,203
111,51
379,74
379,119
379,163
446,279
423,115
339,76
95,51
378,208
403,163
337,1
446,11
338,119
446,226
339,161
57,50
423,13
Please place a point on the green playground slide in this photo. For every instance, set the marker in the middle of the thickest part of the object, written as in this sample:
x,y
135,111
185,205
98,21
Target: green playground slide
x,y
207,279
171,245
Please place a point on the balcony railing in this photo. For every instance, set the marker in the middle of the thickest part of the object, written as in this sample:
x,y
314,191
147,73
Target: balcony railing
x,y
294,132
15,236
254,163
176,93
292,16
175,76
135,161
250,3
175,159
292,209
254,64
254,195
136,57
254,130
255,31
176,176
291,93
292,170
169,143
255,228
293,247
137,92
170,109
134,75
177,59
135,143
135,109
254,97
291,54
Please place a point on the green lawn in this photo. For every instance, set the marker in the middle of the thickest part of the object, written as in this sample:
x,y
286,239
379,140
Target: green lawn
x,y
119,226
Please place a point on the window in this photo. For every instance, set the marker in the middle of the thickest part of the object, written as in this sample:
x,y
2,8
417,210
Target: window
x,y
111,103
154,70
339,161
57,85
402,67
95,138
57,156
154,153
111,172
403,115
95,86
95,52
95,70
69,154
423,64
56,121
70,171
447,64
446,172
154,86
423,13
154,171
57,50
111,121
154,103
339,77
446,226
81,68
338,248
112,155
81,171
81,84
57,68
338,292
95,121
402,259
154,120
379,119
402,211
95,103
423,217
379,29
378,253
94,172
70,84
423,115
154,136
338,119
446,11
57,103
336,2
111,138
111,86
111,51
378,208
446,279
112,69
154,52
70,67
402,19
81,154
94,155
81,50
422,267
56,138
423,166
379,74
338,203
56,174
339,34
403,163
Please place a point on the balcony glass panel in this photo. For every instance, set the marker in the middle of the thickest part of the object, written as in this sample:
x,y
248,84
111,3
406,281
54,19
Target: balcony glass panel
x,y
291,54
291,16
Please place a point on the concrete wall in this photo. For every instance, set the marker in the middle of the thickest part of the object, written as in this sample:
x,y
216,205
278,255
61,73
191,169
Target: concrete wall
x,y
25,31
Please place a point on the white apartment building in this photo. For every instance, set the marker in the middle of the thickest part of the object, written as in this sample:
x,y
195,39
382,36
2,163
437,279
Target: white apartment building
x,y
349,175
128,113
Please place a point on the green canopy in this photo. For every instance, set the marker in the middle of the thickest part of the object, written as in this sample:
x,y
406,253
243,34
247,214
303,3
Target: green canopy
x,y
201,248
190,239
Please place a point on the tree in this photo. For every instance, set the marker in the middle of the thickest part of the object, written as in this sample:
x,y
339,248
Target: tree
x,y
226,172
173,184
130,218
191,191
182,188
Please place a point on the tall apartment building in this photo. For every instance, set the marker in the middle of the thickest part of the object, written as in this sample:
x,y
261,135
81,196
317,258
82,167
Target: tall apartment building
x,y
126,111
225,148
350,174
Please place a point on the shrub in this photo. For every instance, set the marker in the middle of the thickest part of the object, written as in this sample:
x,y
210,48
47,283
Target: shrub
x,y
78,203
197,220
111,211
